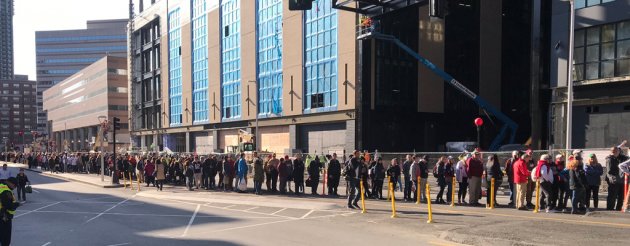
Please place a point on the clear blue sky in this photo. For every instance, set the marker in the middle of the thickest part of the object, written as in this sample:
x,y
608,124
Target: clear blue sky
x,y
43,15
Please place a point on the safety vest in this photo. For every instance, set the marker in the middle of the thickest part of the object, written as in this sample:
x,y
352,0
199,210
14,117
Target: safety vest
x,y
4,188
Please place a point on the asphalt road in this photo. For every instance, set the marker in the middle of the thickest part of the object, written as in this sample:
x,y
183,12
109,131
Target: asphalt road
x,y
68,213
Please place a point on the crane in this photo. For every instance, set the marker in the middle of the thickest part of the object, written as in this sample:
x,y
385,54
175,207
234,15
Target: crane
x,y
508,124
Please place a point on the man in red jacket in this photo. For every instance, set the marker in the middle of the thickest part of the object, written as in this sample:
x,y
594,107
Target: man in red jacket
x,y
521,173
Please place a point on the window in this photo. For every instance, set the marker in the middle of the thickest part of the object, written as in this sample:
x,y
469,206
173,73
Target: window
x,y
320,70
588,3
200,61
231,59
270,57
602,52
175,67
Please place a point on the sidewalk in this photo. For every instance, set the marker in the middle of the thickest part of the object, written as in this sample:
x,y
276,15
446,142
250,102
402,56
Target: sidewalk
x,y
89,179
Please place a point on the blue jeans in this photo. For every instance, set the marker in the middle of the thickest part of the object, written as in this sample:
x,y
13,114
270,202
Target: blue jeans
x,y
577,199
258,187
355,192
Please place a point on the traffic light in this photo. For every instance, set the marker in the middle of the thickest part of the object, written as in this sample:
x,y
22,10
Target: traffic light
x,y
300,4
116,123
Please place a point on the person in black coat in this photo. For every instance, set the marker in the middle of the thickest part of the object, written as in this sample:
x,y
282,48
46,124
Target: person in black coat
x,y
407,178
577,184
378,176
205,173
313,174
22,181
393,172
615,179
298,174
334,174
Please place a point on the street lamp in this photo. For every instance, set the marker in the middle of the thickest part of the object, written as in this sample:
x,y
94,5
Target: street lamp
x,y
255,134
102,120
570,75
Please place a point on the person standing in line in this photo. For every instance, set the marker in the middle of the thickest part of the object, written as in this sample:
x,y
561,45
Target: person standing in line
x,y
298,174
393,171
354,175
594,172
140,170
197,171
283,175
379,177
615,179
190,174
475,171
160,174
509,170
461,175
449,174
493,170
259,174
267,168
313,174
406,168
220,171
228,174
531,185
334,175
205,173
213,172
577,183
438,173
560,182
274,163
149,168
242,172
8,205
521,174
414,174
22,181
544,174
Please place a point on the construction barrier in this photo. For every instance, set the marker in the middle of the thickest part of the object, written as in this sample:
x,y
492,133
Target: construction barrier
x,y
429,204
537,196
391,190
362,198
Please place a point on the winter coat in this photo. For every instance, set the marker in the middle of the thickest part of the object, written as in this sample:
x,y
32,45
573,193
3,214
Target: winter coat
x,y
475,167
509,169
379,171
594,174
259,173
313,169
334,169
521,173
493,170
577,179
394,173
149,168
242,168
613,175
441,180
460,171
298,170
160,171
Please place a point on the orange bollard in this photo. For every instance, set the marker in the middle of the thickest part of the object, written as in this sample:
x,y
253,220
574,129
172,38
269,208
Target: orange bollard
x,y
389,191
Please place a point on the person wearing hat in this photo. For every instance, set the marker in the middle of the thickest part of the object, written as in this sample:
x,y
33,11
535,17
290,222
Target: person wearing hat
x,y
509,170
521,174
594,172
5,173
475,171
313,174
615,179
8,205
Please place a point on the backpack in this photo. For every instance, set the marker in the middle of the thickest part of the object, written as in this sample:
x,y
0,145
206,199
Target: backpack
x,y
140,166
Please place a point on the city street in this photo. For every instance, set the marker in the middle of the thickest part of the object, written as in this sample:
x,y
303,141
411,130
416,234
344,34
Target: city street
x,y
70,213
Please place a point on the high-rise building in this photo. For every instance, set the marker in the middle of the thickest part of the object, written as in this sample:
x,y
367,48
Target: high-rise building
x,y
17,112
600,76
62,53
6,39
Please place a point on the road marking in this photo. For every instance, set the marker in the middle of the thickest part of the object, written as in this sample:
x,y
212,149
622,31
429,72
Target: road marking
x,y
255,225
191,220
274,213
249,209
231,206
46,244
307,214
120,244
49,205
36,191
99,215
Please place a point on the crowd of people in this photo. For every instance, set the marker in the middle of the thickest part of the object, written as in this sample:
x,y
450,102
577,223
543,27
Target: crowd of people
x,y
579,179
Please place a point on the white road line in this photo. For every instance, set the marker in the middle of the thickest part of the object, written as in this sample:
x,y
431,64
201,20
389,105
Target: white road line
x,y
46,244
191,220
250,209
99,215
120,244
231,206
254,225
274,213
49,205
307,214
251,212
36,191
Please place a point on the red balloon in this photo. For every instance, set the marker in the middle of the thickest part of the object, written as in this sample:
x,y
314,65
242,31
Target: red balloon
x,y
478,122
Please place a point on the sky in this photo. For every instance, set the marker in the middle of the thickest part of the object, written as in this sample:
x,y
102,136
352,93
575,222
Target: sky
x,y
45,15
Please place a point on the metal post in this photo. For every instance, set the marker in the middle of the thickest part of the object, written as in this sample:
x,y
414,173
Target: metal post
x,y
479,137
569,117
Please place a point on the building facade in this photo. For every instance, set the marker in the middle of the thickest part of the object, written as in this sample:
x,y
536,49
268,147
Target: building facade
x,y
6,39
205,69
75,104
18,112
600,76
63,53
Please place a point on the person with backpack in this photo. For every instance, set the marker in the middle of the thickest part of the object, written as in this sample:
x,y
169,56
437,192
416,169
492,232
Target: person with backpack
x,y
544,174
298,174
438,173
509,170
577,184
354,174
394,173
378,176
462,179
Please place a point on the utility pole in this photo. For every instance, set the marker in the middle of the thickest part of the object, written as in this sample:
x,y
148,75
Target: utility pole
x,y
569,117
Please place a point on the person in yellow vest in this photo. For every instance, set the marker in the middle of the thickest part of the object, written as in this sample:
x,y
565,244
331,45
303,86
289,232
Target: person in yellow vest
x,y
8,204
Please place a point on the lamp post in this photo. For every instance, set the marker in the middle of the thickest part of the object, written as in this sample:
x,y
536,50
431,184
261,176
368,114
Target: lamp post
x,y
102,120
570,75
478,123
255,134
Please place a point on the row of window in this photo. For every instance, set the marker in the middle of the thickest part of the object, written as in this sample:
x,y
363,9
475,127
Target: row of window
x,y
58,71
83,49
200,61
70,60
602,51
175,66
578,4
231,59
